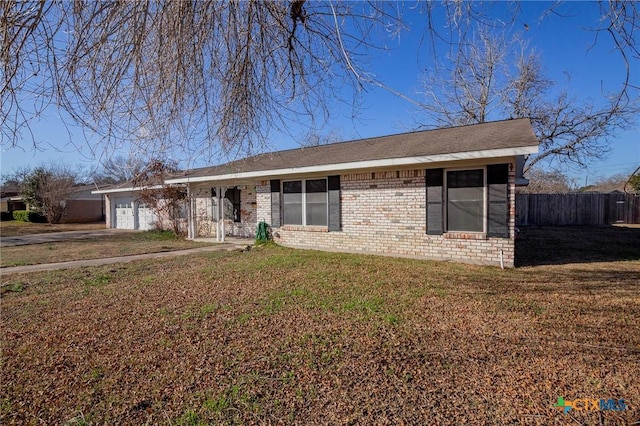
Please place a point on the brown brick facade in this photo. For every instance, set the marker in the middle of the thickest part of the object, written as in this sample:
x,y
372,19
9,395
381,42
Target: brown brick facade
x,y
79,211
384,213
381,213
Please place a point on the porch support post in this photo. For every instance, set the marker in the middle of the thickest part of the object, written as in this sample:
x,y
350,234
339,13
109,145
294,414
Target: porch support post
x,y
223,190
220,191
190,235
218,213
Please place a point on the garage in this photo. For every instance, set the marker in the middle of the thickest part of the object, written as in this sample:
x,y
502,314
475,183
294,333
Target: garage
x,y
125,210
130,214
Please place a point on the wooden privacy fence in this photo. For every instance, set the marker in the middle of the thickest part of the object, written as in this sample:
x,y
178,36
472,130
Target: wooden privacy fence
x,y
576,209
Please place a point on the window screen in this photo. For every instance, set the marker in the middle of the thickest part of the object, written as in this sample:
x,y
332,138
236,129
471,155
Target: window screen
x,y
316,202
292,202
305,202
465,200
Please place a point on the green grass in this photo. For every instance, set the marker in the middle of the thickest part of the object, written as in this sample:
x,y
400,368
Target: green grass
x,y
15,287
208,308
155,235
97,281
190,418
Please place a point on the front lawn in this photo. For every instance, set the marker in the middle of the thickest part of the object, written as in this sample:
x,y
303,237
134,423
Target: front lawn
x,y
281,336
108,245
14,228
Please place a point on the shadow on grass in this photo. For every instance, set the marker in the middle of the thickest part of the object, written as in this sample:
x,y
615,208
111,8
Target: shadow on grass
x,y
559,245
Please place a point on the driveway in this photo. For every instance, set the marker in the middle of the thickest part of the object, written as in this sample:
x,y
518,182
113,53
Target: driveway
x,y
56,237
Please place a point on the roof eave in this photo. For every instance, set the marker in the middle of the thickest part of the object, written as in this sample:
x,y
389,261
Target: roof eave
x,y
369,164
129,189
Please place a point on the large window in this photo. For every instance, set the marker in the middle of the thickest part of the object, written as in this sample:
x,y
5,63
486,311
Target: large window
x,y
465,200
475,200
305,202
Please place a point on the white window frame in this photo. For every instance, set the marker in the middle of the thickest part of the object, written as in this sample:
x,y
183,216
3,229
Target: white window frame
x,y
304,200
485,198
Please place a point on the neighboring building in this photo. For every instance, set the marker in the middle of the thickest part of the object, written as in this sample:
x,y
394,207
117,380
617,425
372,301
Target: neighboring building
x,y
446,194
10,199
82,206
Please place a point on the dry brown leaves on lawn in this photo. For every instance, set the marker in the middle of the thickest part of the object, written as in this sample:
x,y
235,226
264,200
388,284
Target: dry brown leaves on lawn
x,y
278,336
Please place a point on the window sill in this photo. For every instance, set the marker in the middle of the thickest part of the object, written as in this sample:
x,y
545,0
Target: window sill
x,y
310,228
465,235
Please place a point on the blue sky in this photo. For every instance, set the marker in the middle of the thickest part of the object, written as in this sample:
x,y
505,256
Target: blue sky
x,y
564,45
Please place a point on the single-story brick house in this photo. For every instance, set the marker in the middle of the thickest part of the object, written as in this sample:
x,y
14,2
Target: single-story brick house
x,y
446,194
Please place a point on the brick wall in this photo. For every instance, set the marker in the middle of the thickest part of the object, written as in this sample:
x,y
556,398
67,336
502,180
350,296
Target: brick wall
x,y
263,197
384,213
204,213
83,211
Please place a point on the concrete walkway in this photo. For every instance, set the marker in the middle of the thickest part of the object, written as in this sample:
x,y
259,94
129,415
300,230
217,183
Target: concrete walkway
x,y
109,260
56,237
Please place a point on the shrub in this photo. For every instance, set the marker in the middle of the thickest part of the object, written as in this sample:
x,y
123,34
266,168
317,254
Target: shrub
x,y
37,218
4,216
29,216
22,215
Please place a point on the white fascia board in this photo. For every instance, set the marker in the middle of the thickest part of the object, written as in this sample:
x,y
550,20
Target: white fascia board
x,y
371,164
120,190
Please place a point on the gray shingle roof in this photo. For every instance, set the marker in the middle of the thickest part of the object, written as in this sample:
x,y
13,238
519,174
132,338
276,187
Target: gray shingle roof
x,y
478,137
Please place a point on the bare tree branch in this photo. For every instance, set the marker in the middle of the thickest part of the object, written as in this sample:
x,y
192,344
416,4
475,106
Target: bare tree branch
x,y
201,76
480,84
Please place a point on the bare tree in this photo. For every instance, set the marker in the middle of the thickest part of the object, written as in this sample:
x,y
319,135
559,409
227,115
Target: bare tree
x,y
196,75
16,177
317,138
118,169
618,26
169,202
494,78
615,182
47,190
547,182
199,76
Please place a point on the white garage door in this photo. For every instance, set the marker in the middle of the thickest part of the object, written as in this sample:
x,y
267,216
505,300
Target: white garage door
x,y
146,218
124,213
